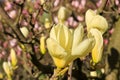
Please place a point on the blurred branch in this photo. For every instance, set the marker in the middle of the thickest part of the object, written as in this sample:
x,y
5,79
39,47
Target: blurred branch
x,y
70,71
44,68
103,5
11,23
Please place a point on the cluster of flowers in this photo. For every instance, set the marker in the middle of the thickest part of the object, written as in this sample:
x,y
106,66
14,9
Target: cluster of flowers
x,y
65,45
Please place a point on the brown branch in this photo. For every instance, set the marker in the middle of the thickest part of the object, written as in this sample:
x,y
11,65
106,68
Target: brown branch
x,y
11,23
70,71
103,5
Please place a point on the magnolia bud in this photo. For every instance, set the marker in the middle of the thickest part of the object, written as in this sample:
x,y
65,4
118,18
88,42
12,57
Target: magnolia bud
x,y
42,44
7,69
24,31
63,13
13,58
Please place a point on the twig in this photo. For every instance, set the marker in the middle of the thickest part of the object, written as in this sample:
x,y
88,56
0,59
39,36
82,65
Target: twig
x,y
11,23
70,71
103,5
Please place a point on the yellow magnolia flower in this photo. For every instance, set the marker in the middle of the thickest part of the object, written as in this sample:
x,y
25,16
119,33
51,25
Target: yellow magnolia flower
x,y
66,45
13,58
96,26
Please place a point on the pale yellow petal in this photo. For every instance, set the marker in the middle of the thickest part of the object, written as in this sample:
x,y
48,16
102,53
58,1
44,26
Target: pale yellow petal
x,y
78,35
89,17
61,36
55,49
95,21
98,48
60,63
83,48
52,33
99,23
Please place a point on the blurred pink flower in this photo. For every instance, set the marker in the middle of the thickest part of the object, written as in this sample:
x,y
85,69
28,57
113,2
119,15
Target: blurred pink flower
x,y
83,2
106,41
55,19
111,30
80,18
70,21
25,12
76,4
13,42
99,3
8,6
75,23
19,50
5,44
56,3
117,2
12,14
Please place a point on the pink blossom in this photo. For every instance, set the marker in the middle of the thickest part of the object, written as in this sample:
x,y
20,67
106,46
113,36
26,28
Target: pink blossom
x,y
106,41
75,23
80,18
83,2
99,3
56,2
12,14
8,6
13,42
70,21
111,31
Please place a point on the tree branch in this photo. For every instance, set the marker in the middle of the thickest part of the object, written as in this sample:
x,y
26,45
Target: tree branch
x,y
11,23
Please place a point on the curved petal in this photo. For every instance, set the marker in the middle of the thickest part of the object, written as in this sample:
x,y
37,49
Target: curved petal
x,y
78,35
55,49
54,31
83,48
89,17
60,63
98,48
100,23
95,21
63,36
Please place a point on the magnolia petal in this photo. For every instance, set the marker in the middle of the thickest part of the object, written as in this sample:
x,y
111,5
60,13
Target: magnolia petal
x,y
83,48
55,49
78,35
52,33
89,17
98,48
95,21
100,23
61,36
60,63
